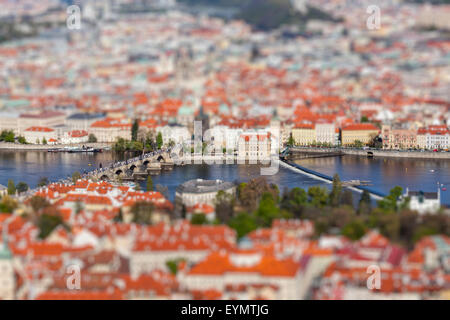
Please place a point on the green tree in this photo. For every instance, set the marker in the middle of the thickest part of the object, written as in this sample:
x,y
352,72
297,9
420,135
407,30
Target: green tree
x,y
358,144
224,206
243,223
267,210
137,187
364,119
21,140
291,141
38,204
174,264
7,136
22,187
424,231
149,142
119,216
7,204
294,201
199,219
76,176
92,138
251,193
11,187
37,141
47,223
336,191
365,203
409,221
159,140
150,184
142,212
240,189
321,226
43,181
391,201
354,230
120,145
340,217
387,223
44,141
318,196
134,130
347,198
136,146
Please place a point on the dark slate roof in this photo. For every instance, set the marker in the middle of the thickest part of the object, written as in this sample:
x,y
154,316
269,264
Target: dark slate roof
x,y
86,116
426,195
204,186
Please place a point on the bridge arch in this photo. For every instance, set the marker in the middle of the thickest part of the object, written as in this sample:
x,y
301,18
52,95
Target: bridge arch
x,y
105,177
119,172
146,163
161,158
132,167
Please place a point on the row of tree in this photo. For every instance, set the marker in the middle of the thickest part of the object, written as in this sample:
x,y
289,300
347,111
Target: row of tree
x,y
19,188
9,136
139,142
258,203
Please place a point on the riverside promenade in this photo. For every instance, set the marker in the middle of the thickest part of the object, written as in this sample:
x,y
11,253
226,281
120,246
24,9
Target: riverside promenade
x,y
371,152
46,147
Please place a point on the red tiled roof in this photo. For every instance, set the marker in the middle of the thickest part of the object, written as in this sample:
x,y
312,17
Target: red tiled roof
x,y
81,295
219,263
78,133
40,129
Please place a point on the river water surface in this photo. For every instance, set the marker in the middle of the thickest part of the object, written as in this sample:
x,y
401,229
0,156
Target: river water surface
x,y
383,173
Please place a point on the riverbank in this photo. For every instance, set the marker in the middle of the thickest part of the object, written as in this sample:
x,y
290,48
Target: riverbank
x,y
377,153
45,147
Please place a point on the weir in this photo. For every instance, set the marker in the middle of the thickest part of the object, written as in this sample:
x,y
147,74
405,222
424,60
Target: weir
x,y
376,195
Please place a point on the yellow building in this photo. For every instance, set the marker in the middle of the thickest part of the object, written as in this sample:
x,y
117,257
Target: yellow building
x,y
363,132
304,134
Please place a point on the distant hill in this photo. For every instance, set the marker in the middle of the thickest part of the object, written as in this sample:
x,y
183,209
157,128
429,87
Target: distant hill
x,y
266,14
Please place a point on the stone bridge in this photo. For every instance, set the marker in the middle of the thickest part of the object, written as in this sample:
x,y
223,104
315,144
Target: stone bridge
x,y
136,168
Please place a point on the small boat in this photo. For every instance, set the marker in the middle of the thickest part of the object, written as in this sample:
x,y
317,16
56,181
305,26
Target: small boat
x,y
54,150
432,170
84,150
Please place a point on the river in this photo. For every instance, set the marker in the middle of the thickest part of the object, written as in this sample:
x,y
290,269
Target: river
x,y
384,173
